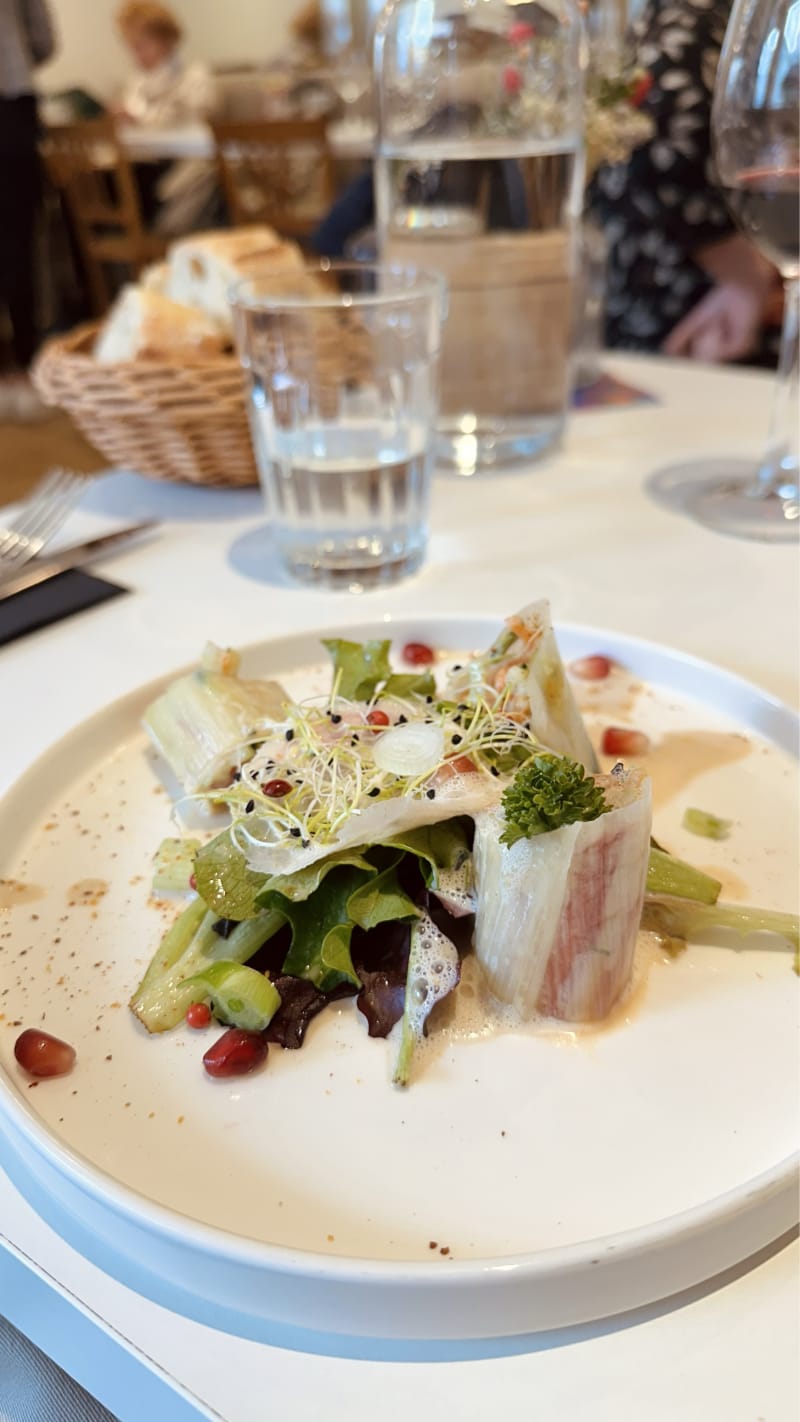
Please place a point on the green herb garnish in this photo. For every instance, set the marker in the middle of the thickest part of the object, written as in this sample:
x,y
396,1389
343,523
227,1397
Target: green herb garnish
x,y
547,793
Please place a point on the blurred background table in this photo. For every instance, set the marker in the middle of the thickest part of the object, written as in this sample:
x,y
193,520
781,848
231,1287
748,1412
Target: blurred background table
x,y
349,139
581,530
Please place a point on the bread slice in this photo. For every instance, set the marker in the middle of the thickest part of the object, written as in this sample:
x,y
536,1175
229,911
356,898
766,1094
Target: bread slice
x,y
204,267
143,324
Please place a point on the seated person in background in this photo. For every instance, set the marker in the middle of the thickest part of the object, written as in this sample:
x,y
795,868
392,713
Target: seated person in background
x,y
166,90
681,278
26,40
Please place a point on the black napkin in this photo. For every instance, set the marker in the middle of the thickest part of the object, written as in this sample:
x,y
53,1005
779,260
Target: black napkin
x,y
61,596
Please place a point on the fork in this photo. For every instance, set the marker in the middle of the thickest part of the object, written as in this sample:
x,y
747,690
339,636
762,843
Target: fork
x,y
39,519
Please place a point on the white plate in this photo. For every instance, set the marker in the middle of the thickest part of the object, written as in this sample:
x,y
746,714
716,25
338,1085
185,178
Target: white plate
x,y
568,1177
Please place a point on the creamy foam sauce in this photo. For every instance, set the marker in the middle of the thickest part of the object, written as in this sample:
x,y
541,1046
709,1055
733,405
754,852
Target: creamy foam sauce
x,y
472,1013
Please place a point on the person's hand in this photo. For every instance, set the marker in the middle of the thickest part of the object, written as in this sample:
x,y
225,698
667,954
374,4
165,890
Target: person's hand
x,y
724,325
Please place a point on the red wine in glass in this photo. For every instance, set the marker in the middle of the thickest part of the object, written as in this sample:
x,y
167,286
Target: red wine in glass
x,y
765,203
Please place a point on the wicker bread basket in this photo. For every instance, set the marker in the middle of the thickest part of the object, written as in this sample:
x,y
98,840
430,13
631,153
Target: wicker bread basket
x,y
178,422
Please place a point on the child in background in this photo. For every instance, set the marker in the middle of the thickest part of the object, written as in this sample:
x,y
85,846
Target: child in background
x,y
165,90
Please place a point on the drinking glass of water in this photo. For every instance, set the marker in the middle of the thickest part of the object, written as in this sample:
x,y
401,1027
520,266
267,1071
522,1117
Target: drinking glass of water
x,y
342,362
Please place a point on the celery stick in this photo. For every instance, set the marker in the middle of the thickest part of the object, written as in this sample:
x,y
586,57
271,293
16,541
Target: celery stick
x,y
188,948
685,918
202,723
240,996
668,875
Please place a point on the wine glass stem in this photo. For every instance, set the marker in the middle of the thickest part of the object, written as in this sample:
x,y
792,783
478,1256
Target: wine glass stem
x,y
778,473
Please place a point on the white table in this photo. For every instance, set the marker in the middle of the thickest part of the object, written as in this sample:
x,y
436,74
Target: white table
x,y
348,141
581,531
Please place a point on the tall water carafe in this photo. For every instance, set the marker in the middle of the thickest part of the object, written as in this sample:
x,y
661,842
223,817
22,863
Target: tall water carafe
x,y
479,176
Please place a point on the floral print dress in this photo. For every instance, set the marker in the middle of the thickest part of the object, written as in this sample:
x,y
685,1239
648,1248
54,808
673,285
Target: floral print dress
x,y
662,204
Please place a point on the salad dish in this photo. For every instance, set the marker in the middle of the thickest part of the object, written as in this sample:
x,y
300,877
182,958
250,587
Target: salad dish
x,y
379,834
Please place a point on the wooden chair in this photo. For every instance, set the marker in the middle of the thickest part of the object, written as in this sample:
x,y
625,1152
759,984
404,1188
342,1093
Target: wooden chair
x,y
277,172
89,168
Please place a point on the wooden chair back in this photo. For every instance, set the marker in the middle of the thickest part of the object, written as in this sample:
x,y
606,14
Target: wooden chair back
x,y
88,166
277,172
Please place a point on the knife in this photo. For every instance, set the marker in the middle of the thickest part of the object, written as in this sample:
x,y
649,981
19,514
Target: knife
x,y
38,571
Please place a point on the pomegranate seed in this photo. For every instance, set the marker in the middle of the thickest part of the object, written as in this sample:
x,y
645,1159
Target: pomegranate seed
x,y
417,654
620,740
198,1014
377,718
235,1053
276,789
39,1054
192,881
591,668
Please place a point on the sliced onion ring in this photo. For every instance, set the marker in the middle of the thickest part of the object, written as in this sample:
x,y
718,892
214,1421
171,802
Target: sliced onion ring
x,y
412,750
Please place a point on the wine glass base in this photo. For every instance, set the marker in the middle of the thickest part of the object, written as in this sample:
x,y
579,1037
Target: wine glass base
x,y
717,493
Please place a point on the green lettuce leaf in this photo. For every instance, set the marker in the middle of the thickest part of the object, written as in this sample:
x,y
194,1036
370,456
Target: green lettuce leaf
x,y
302,883
410,684
381,899
322,928
225,880
438,847
359,666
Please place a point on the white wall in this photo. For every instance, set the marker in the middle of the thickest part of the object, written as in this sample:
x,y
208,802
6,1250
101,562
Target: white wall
x,y
90,53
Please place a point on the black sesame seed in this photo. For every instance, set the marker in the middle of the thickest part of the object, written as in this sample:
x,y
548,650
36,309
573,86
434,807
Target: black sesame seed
x,y
494,770
457,667
336,718
429,700
306,843
401,720
374,791
295,833
457,740
237,775
224,927
431,794
290,735
251,804
462,706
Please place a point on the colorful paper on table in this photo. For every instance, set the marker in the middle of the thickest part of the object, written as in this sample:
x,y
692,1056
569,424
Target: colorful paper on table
x,y
606,390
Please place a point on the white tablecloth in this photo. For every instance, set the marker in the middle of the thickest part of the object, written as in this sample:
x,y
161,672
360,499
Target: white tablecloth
x,y
582,531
